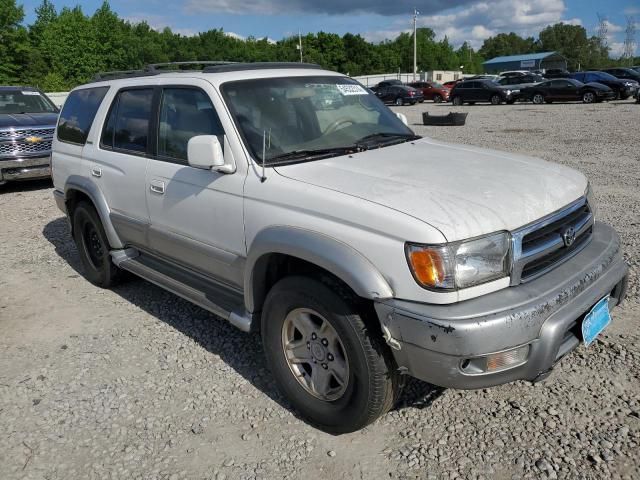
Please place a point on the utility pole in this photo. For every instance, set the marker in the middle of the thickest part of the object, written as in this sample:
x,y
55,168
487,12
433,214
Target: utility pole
x,y
629,40
300,44
415,44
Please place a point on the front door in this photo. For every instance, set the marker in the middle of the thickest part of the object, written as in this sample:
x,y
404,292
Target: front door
x,y
196,215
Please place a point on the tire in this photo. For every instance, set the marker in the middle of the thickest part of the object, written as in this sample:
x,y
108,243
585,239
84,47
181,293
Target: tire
x,y
496,100
457,101
510,102
588,97
538,98
437,98
371,382
93,247
471,103
399,102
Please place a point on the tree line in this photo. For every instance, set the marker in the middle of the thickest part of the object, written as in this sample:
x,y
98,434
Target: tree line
x,y
62,49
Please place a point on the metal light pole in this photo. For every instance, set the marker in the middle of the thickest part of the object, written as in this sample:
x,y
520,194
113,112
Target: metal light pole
x,y
300,44
415,44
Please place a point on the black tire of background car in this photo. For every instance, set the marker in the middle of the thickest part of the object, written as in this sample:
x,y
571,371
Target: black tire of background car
x,y
496,99
88,232
373,384
399,101
457,101
437,98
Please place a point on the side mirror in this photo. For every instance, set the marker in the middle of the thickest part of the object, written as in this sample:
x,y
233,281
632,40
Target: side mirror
x,y
403,118
205,151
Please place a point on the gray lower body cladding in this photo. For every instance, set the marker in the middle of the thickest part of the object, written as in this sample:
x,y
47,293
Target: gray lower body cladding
x,y
27,168
435,340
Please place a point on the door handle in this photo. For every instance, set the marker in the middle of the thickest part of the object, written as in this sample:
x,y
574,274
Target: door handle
x,y
157,186
96,171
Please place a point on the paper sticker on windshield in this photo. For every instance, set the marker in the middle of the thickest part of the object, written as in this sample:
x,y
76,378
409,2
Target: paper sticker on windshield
x,y
349,89
27,92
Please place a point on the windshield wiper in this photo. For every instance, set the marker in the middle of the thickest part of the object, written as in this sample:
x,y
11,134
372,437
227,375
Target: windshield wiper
x,y
312,153
384,139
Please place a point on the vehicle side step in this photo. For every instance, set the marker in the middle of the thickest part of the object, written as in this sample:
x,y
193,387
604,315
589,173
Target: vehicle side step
x,y
217,299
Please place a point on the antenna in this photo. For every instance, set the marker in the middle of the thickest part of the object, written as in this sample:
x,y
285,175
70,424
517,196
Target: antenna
x,y
264,154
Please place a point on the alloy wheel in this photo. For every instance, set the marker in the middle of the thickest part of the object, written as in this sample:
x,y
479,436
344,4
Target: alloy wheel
x,y
315,354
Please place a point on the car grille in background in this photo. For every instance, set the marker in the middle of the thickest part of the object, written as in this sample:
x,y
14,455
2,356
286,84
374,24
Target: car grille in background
x,y
545,244
25,142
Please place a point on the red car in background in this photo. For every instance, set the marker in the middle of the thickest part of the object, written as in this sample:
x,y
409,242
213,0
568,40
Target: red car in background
x,y
432,91
451,83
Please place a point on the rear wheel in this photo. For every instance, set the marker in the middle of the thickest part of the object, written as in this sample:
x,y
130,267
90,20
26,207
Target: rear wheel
x,y
93,246
437,98
331,366
496,100
538,98
588,97
399,101
457,101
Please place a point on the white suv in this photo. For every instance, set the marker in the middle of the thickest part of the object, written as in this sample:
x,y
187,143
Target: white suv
x,y
289,200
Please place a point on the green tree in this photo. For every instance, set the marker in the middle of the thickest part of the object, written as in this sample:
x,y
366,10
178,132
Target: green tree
x,y
572,42
14,42
507,44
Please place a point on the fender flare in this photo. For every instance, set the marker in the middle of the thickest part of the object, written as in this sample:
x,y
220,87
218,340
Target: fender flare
x,y
90,189
326,252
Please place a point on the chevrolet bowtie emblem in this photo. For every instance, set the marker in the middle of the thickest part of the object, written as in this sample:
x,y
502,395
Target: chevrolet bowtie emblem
x,y
33,139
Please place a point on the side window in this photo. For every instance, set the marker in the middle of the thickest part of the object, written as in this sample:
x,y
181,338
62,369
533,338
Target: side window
x,y
127,124
185,113
78,113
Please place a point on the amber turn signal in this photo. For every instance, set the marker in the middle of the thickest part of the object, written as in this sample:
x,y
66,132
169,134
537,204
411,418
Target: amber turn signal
x,y
428,266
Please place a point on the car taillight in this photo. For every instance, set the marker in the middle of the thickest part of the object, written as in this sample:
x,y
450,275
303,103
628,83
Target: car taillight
x,y
412,94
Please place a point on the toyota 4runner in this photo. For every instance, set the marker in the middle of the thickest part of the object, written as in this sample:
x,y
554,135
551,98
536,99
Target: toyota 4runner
x,y
360,251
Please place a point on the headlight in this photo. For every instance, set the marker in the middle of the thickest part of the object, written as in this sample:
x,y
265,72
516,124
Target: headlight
x,y
591,199
460,264
508,92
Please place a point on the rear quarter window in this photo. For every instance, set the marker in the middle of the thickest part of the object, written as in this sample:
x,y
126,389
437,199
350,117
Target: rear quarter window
x,y
78,114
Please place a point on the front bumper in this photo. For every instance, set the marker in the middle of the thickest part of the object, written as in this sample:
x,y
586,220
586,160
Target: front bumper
x,y
25,168
435,340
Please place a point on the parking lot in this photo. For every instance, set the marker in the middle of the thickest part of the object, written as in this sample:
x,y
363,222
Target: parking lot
x,y
137,383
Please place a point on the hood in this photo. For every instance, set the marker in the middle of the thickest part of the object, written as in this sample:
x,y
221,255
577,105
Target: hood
x,y
27,119
462,191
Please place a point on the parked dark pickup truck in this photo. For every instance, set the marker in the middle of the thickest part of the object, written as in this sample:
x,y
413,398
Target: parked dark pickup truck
x,y
27,122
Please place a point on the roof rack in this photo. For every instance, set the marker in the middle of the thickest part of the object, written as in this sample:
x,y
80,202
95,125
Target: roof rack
x,y
121,74
237,67
209,66
154,67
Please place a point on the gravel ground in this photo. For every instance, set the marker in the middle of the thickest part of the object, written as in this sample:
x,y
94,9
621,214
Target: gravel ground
x,y
136,383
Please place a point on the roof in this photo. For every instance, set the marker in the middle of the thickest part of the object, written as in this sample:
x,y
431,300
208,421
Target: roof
x,y
518,58
17,87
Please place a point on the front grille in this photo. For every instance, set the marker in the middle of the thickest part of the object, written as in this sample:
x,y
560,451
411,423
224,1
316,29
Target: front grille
x,y
26,141
13,134
542,246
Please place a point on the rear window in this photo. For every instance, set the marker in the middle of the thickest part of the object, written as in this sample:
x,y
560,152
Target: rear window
x,y
78,113
127,126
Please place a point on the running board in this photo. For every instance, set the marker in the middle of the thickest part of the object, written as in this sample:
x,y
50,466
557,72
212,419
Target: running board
x,y
215,298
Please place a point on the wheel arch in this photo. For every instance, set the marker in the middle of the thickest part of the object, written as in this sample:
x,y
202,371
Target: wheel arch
x,y
79,188
275,251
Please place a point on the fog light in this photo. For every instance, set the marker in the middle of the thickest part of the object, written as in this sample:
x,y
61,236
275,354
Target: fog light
x,y
496,361
510,358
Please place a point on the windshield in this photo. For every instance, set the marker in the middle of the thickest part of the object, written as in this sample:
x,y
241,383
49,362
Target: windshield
x,y
310,115
25,101
605,76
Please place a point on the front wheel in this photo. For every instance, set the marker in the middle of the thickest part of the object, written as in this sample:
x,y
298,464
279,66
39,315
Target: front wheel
x,y
437,99
331,366
93,247
399,102
537,98
588,97
496,100
457,101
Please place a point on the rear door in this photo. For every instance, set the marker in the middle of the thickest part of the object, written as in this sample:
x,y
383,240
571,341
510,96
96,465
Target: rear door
x,y
118,160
